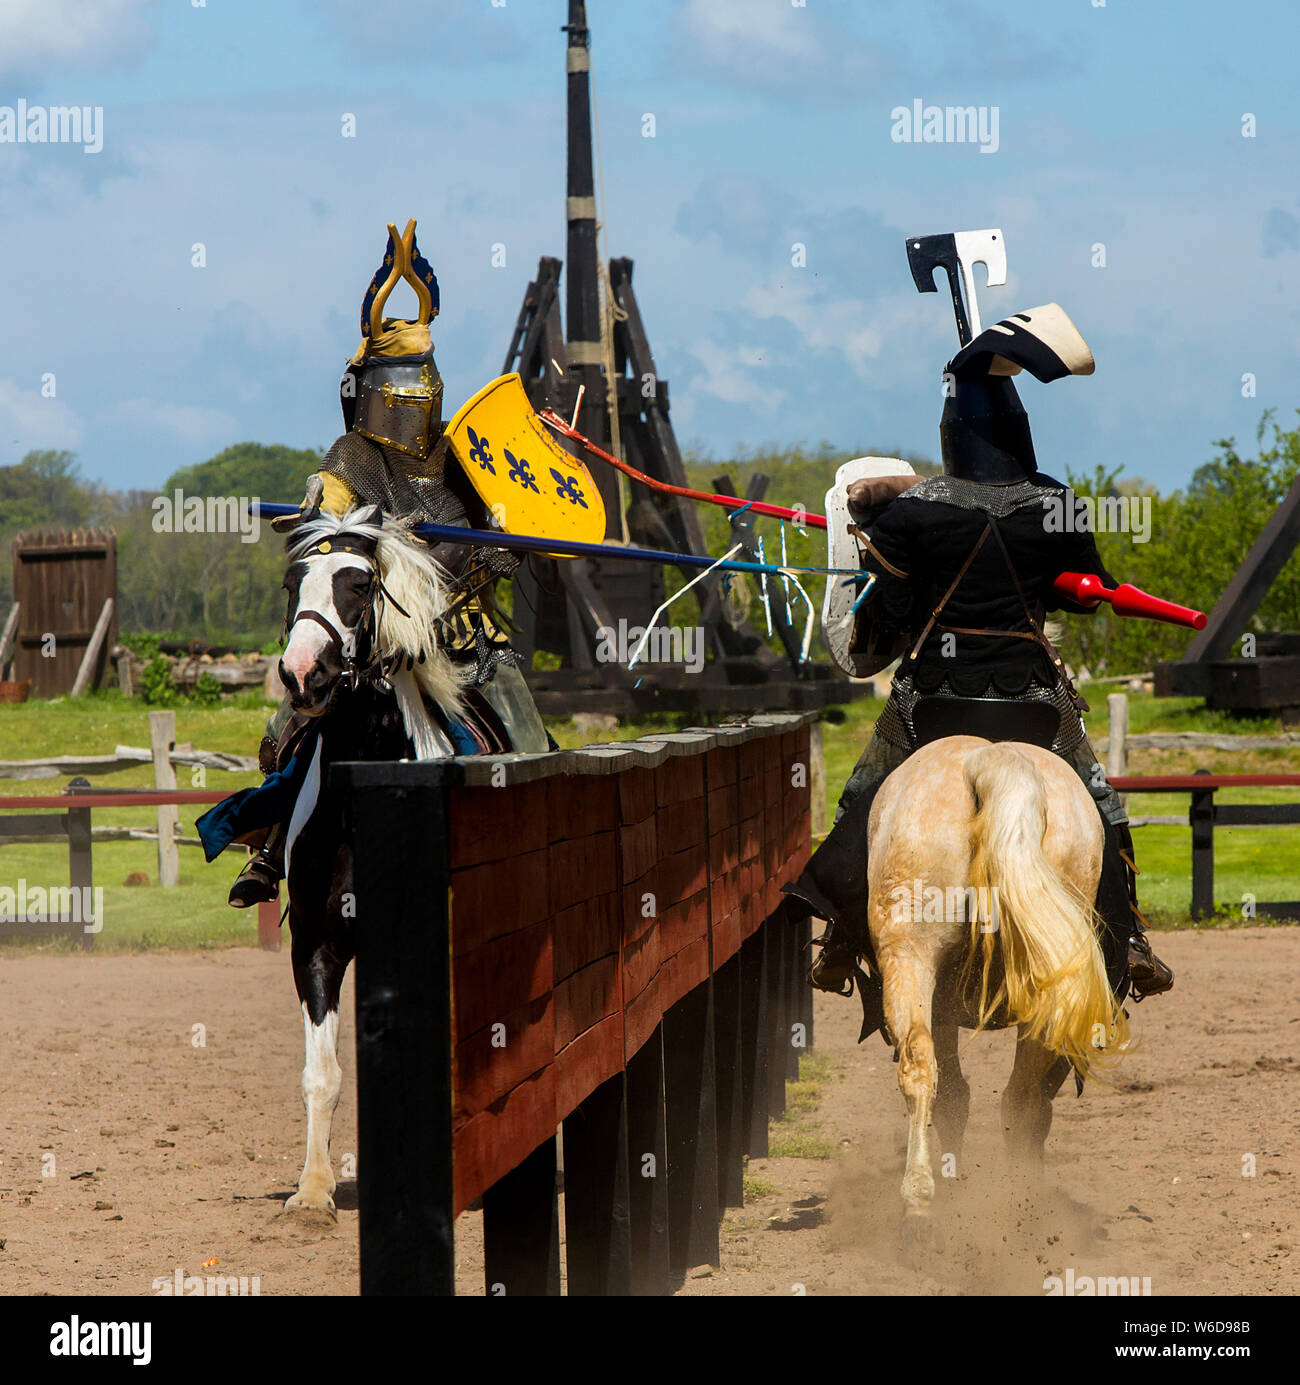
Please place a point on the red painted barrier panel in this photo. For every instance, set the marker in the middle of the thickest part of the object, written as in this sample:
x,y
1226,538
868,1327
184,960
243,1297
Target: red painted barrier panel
x,y
585,904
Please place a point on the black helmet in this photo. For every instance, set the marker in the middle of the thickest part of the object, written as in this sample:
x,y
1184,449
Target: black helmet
x,y
984,431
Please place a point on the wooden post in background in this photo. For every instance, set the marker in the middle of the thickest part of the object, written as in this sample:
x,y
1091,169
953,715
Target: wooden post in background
x,y
162,734
7,636
1117,738
124,680
268,925
817,779
90,659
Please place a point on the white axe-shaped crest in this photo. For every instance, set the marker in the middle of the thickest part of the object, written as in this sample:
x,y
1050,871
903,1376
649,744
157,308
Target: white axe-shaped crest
x,y
980,247
957,253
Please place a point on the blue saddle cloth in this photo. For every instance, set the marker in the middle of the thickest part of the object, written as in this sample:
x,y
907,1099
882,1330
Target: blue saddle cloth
x,y
272,801
250,809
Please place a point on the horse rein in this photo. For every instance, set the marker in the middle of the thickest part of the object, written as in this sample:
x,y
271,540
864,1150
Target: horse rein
x,y
369,622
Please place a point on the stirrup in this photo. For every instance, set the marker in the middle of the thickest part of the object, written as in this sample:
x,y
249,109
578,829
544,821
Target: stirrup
x,y
827,960
1148,975
257,883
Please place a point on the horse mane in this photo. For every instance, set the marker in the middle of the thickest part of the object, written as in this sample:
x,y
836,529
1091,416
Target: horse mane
x,y
414,580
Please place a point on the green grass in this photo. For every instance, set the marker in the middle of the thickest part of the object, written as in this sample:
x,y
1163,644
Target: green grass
x,y
1264,861
195,913
790,1136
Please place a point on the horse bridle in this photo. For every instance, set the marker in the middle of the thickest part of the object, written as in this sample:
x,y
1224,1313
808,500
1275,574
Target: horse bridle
x,y
367,626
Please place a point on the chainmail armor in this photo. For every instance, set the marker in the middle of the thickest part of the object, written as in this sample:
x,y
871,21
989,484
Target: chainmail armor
x,y
999,501
895,723
404,486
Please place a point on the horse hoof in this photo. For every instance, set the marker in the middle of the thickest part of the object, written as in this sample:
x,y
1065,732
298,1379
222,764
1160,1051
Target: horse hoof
x,y
919,1238
308,1201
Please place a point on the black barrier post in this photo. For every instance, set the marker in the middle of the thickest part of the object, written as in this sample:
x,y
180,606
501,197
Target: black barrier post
x,y
647,1153
521,1229
804,961
691,1116
598,1246
729,1050
778,1010
1201,817
756,1041
404,1053
791,933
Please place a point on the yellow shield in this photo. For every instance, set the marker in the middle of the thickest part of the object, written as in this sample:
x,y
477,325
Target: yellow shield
x,y
529,483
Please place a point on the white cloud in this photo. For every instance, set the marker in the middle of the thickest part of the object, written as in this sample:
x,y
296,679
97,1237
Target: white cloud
x,y
775,44
418,33
29,421
725,374
724,26
92,33
850,328
188,423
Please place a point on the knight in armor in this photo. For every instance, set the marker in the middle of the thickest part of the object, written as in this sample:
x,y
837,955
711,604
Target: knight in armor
x,y
394,454
963,568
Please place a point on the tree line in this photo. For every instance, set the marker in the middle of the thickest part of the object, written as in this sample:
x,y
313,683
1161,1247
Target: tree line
x,y
214,587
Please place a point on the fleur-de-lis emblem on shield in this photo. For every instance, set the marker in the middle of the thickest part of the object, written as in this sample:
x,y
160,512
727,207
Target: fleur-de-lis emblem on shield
x,y
567,488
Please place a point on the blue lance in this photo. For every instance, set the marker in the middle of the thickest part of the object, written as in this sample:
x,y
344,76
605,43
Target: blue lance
x,y
532,543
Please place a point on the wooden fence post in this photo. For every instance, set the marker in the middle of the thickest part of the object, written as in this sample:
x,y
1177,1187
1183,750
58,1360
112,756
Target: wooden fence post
x,y
1117,738
162,733
125,681
268,925
817,779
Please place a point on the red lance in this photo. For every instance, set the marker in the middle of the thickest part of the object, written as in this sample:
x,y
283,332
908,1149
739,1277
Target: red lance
x,y
1126,600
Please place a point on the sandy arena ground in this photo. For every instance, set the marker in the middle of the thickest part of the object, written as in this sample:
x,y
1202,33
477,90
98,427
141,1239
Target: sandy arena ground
x,y
128,1148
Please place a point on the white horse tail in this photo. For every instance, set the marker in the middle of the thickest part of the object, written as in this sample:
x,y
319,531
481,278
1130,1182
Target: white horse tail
x,y
1053,974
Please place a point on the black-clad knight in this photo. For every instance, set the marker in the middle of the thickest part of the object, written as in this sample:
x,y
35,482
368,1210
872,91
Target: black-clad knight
x,y
964,565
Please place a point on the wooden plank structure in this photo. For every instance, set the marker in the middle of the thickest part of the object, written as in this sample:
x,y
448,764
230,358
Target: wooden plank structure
x,y
593,947
65,588
573,368
1270,681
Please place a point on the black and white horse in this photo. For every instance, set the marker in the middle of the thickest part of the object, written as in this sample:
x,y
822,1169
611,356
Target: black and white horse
x,y
362,656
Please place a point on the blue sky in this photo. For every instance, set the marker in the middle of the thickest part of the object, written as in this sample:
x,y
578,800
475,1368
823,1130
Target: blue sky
x,y
1118,123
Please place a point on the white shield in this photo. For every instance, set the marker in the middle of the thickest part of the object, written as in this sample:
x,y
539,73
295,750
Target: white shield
x,y
842,552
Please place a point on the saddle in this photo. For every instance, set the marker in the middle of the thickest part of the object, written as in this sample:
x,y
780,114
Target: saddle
x,y
992,719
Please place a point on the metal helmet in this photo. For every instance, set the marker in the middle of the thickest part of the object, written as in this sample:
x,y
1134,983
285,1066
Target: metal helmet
x,y
391,390
398,402
984,431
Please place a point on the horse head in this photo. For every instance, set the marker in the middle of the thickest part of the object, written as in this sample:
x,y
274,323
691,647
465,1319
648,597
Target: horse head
x,y
365,601
332,583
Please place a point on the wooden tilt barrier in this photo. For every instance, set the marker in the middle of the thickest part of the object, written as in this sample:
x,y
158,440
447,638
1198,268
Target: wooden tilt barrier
x,y
586,951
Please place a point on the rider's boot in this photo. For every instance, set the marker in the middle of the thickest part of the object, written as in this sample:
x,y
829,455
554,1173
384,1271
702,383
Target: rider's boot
x,y
836,964
259,881
1148,975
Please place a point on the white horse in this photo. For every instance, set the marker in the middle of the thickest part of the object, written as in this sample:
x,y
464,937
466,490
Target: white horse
x,y
983,862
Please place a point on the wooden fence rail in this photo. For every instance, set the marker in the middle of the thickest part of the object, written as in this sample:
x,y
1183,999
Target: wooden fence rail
x,y
68,814
590,947
1204,815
